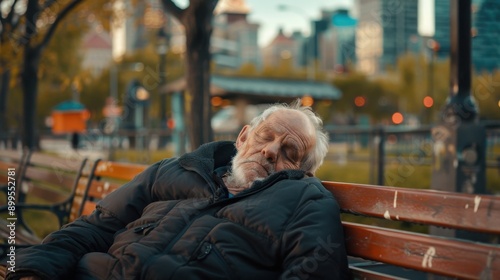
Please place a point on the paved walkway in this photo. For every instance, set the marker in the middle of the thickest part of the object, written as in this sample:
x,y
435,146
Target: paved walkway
x,y
63,148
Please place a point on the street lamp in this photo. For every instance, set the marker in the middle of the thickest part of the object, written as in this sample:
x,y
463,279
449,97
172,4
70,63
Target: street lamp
x,y
309,49
136,102
112,112
433,47
162,50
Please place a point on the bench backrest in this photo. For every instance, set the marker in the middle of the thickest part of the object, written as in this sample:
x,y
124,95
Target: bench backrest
x,y
14,161
44,188
445,256
50,181
105,177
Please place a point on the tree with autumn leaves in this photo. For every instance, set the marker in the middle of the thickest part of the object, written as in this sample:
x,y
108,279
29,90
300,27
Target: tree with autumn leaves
x,y
23,47
27,28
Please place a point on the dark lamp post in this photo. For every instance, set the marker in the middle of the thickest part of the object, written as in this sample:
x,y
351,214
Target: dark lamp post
x,y
309,49
141,94
459,150
162,50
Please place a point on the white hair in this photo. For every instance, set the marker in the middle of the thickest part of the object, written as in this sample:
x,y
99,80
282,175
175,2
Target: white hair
x,y
312,161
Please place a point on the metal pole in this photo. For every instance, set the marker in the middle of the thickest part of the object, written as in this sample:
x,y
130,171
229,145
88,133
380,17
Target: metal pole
x,y
380,157
178,135
461,106
163,43
163,98
113,83
459,151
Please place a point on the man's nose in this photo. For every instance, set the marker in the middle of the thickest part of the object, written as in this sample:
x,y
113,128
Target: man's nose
x,y
270,151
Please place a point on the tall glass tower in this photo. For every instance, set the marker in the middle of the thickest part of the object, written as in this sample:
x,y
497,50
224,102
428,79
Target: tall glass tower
x,y
387,29
400,29
485,32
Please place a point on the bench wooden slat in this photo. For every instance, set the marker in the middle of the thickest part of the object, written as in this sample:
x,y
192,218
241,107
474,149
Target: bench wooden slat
x,y
102,189
50,196
7,165
56,162
103,180
453,210
365,274
120,171
64,181
22,238
450,257
12,155
88,207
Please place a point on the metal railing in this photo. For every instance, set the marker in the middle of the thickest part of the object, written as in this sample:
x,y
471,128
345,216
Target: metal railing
x,y
388,144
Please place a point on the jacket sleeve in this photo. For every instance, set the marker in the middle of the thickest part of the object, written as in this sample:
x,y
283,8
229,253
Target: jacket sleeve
x,y
313,243
59,253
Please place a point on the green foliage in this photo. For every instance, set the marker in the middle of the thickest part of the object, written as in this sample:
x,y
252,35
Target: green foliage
x,y
60,68
247,70
486,92
380,95
143,65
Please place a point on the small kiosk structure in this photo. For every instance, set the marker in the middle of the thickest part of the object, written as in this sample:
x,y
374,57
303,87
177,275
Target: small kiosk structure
x,y
69,117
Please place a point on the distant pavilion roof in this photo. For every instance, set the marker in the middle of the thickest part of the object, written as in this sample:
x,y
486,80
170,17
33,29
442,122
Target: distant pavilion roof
x,y
264,89
69,106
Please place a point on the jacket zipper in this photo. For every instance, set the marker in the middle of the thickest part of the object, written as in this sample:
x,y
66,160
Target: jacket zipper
x,y
146,228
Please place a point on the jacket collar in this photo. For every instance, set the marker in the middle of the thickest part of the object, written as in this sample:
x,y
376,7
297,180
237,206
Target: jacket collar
x,y
208,157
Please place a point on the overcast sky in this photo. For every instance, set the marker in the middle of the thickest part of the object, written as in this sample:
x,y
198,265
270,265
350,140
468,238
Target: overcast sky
x,y
296,17
301,12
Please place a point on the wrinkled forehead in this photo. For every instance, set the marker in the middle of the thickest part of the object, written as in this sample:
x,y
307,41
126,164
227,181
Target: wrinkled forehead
x,y
291,122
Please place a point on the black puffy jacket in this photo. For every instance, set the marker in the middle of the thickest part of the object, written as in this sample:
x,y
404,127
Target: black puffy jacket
x,y
171,222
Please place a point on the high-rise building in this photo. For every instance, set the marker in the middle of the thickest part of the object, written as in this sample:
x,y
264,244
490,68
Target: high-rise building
x,y
281,47
96,51
442,28
387,29
485,32
234,39
337,43
134,21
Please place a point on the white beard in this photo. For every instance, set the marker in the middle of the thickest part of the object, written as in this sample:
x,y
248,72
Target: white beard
x,y
240,178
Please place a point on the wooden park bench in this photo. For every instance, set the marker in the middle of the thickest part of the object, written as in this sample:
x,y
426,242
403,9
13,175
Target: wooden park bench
x,y
11,160
376,250
380,248
44,185
469,214
105,177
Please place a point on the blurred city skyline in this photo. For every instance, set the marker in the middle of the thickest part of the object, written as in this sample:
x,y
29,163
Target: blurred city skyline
x,y
297,18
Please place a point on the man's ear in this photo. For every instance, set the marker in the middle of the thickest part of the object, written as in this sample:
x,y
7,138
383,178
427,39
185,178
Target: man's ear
x,y
243,136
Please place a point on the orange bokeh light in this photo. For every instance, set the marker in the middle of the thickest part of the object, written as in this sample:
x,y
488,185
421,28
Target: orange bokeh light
x,y
216,101
428,101
359,101
397,118
307,101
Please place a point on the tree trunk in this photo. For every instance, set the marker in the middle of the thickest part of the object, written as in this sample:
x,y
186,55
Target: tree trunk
x,y
29,81
31,62
4,91
198,27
